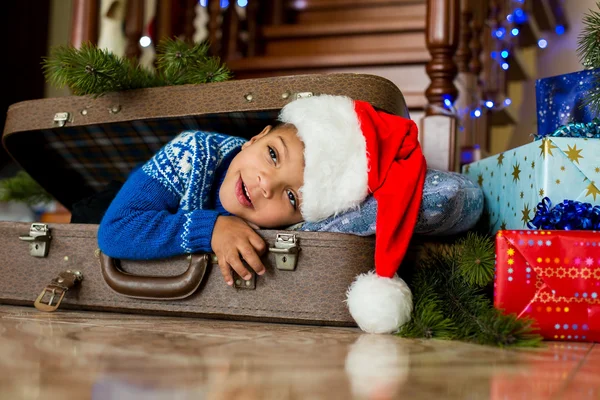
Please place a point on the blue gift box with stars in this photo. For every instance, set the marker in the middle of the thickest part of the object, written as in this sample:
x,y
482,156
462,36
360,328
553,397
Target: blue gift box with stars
x,y
514,182
561,99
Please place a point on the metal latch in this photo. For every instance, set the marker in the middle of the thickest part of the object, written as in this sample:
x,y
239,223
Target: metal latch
x,y
286,251
39,238
56,289
303,95
62,118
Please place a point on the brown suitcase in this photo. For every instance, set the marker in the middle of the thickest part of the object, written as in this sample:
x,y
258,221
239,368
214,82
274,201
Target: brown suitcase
x,y
74,146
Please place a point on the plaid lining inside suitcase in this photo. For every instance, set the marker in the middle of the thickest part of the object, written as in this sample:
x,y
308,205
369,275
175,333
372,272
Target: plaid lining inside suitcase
x,y
105,152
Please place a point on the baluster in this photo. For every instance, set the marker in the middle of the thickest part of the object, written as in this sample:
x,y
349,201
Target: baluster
x,y
230,33
134,26
188,20
442,42
463,54
164,20
84,22
252,21
476,45
438,130
214,12
275,12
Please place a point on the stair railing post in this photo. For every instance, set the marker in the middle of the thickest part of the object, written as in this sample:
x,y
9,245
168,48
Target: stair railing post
x,y
84,22
134,27
439,126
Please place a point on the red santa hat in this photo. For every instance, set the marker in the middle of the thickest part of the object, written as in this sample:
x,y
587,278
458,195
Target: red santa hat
x,y
350,151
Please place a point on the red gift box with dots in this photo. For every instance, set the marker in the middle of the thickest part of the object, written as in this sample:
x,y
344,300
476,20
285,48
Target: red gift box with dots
x,y
552,277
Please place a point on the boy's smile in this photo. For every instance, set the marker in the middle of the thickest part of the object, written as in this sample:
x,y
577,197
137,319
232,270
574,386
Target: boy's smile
x,y
262,184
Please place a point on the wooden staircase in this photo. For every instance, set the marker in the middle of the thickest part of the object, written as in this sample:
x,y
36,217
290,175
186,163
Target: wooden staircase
x,y
369,36
436,51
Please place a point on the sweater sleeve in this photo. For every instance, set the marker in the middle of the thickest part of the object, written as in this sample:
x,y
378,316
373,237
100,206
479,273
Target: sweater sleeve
x,y
145,220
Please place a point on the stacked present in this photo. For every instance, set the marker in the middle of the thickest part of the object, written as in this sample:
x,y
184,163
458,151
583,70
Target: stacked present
x,y
548,256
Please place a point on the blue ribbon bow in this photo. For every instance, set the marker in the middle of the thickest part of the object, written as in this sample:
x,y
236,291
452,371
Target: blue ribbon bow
x,y
568,215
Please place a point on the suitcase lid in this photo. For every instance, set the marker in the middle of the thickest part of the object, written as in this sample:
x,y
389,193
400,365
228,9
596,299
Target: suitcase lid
x,y
74,146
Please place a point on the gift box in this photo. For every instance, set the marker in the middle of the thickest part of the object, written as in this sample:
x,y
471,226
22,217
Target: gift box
x,y
515,181
561,99
552,277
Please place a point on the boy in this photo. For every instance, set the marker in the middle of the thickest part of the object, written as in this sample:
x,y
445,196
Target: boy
x,y
206,192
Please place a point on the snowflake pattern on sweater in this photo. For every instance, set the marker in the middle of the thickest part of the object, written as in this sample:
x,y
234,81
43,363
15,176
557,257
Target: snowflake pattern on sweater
x,y
170,205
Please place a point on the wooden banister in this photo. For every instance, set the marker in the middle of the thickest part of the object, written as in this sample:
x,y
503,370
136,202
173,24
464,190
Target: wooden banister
x,y
442,41
476,44
134,26
214,12
84,22
230,29
188,20
164,20
463,54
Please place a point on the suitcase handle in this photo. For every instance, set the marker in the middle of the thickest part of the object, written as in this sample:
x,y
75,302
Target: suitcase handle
x,y
154,287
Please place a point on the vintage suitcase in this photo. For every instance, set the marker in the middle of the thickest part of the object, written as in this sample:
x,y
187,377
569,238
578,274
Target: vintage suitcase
x,y
75,146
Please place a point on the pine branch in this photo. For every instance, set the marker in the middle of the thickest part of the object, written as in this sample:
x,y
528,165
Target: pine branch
x,y
23,188
90,70
449,306
588,48
476,264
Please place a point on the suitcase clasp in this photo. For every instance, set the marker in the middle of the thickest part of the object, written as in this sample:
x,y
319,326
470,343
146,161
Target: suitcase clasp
x,y
58,287
61,119
39,238
286,251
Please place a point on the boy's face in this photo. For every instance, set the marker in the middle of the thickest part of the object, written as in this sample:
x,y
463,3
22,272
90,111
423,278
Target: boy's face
x,y
263,181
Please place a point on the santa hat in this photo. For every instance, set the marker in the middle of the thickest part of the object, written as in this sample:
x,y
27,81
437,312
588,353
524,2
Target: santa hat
x,y
350,151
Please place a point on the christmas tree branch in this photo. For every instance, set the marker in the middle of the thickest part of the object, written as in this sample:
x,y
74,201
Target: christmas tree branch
x,y
94,71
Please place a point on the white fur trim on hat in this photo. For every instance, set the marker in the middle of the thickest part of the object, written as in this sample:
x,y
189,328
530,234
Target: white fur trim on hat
x,y
335,154
379,305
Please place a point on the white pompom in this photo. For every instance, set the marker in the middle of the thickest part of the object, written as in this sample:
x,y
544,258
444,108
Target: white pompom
x,y
379,305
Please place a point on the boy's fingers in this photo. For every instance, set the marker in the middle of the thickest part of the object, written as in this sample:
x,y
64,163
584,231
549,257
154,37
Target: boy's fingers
x,y
226,272
258,243
252,259
238,266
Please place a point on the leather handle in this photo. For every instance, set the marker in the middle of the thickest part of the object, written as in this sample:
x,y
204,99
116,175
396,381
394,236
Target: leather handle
x,y
154,287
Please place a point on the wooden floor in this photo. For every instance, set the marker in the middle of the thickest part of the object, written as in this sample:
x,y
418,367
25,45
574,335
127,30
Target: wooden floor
x,y
77,355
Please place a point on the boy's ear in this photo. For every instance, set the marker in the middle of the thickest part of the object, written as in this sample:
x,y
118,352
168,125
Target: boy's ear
x,y
260,135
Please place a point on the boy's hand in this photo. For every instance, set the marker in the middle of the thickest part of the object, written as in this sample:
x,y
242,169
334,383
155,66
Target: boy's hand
x,y
232,238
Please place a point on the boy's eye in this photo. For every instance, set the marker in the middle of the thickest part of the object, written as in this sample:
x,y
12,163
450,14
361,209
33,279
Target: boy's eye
x,y
292,198
272,154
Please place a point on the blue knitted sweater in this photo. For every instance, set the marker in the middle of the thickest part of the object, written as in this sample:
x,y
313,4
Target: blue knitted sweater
x,y
170,205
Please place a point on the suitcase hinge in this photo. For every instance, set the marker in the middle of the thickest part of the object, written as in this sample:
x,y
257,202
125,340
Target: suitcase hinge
x,y
61,119
56,289
39,238
286,251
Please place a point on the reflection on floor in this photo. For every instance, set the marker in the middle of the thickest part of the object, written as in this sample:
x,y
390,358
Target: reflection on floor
x,y
88,355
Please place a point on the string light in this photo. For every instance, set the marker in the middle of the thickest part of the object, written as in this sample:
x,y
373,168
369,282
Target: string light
x,y
477,113
504,54
204,3
500,32
489,104
542,43
560,29
515,31
507,102
242,3
145,41
505,66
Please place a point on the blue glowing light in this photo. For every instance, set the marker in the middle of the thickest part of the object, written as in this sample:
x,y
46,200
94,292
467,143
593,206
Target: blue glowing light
x,y
505,66
500,32
560,29
242,3
476,113
520,16
504,54
489,104
509,18
515,31
507,102
203,3
542,43
448,103
494,54
224,3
